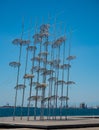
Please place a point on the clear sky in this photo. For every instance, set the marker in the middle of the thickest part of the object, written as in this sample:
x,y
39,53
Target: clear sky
x,y
80,15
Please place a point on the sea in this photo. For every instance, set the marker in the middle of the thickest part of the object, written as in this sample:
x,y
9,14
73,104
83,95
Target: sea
x,y
8,111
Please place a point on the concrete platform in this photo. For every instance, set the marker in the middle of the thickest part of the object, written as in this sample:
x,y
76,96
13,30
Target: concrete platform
x,y
70,123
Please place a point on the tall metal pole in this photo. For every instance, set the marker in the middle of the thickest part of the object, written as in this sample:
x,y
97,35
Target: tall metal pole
x,y
55,72
18,71
68,71
27,51
24,84
58,56
35,109
62,80
30,92
31,80
38,73
44,81
33,61
50,85
17,83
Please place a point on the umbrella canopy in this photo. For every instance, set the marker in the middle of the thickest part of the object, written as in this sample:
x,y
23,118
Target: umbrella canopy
x,y
28,76
20,86
14,64
33,98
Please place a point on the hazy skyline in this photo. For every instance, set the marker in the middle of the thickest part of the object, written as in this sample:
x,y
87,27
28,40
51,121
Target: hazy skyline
x,y
80,15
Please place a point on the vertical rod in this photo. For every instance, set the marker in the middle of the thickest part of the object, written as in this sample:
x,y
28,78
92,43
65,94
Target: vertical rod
x,y
24,83
37,80
62,80
55,72
23,93
18,70
17,83
49,94
29,100
68,71
50,86
33,63
37,88
58,56
31,84
44,81
54,99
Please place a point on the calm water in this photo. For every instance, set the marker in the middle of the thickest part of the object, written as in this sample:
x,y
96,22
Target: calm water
x,y
5,112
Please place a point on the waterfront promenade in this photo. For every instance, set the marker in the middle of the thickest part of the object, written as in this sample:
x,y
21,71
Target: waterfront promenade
x,y
83,123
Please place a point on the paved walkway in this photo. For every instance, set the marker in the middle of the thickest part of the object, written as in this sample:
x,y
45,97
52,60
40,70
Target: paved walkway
x,y
94,128
46,124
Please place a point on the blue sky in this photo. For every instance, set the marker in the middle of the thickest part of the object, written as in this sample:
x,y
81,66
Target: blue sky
x,y
80,15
